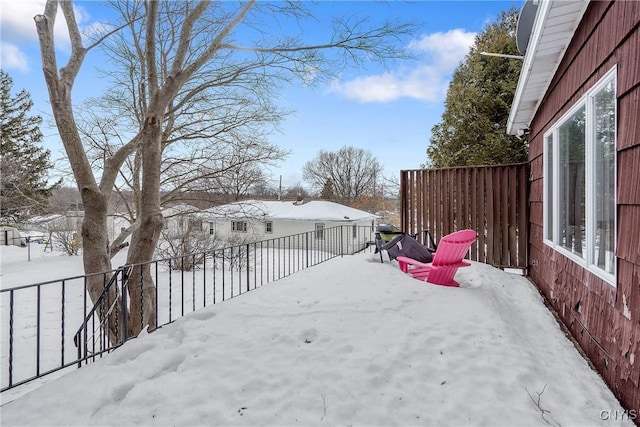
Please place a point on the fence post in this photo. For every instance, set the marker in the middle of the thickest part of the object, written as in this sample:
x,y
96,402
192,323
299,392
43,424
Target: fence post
x,y
247,267
124,311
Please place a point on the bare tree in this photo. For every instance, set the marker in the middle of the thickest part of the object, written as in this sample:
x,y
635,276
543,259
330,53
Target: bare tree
x,y
295,191
62,198
241,172
345,176
169,64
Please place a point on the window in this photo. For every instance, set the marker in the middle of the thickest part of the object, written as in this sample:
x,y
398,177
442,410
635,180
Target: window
x,y
355,231
268,227
580,180
212,229
320,231
195,225
239,226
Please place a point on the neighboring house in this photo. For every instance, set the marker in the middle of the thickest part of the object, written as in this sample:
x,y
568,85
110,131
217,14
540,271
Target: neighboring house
x,y
254,220
10,236
578,99
180,219
54,222
71,221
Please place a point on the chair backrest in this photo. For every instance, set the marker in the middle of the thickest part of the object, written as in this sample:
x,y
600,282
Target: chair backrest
x,y
453,247
405,245
388,232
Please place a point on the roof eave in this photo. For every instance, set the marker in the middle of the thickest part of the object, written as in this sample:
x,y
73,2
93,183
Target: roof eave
x,y
553,29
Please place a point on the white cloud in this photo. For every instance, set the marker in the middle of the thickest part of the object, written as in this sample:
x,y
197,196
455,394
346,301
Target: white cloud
x,y
13,58
17,20
439,54
19,29
446,49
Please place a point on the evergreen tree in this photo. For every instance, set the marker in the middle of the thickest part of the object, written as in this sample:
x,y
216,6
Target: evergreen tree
x,y
473,126
24,165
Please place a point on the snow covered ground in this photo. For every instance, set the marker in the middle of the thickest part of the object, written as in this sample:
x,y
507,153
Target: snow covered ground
x,y
348,342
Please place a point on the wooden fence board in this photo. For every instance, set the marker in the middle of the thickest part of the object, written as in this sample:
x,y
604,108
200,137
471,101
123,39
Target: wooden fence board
x,y
482,215
474,211
504,215
490,188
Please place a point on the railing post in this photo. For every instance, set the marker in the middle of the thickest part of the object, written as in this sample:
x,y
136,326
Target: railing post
x,y
11,338
38,328
247,264
307,250
124,313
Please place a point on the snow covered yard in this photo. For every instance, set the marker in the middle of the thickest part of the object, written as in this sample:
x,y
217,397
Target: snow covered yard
x,y
348,342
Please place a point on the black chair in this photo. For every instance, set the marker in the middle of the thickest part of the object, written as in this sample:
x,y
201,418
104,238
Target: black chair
x,y
395,245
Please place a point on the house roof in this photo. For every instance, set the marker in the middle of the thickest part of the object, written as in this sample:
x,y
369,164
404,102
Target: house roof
x,y
555,23
179,209
315,210
43,219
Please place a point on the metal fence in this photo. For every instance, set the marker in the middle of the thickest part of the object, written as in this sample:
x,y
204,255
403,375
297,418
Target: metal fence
x,y
51,326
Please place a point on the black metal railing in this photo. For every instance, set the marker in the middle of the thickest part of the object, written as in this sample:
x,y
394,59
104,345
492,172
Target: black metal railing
x,y
96,335
51,326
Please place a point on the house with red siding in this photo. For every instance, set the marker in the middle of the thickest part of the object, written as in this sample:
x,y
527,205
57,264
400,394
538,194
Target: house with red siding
x,y
578,102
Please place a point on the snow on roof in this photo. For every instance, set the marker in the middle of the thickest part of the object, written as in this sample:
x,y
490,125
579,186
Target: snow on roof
x,y
182,208
315,210
43,219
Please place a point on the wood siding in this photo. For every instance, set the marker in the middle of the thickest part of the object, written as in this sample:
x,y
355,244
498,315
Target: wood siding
x,y
491,200
604,319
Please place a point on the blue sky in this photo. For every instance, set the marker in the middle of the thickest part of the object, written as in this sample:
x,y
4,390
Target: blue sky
x,y
389,112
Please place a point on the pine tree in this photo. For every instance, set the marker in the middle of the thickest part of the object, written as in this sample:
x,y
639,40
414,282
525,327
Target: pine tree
x,y
473,126
24,165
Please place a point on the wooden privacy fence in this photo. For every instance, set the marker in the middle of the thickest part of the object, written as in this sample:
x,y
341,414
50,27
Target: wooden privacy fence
x,y
492,200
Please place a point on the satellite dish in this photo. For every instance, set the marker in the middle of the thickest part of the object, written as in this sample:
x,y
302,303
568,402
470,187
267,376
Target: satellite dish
x,y
525,24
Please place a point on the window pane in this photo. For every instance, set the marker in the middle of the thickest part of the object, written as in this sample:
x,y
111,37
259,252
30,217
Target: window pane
x,y
604,129
548,182
571,179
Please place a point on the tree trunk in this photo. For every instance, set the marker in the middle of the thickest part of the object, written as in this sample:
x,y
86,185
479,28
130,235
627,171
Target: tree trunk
x,y
145,239
95,239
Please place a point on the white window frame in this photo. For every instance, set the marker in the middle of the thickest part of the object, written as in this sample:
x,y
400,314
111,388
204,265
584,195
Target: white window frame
x,y
268,227
212,229
554,241
319,231
239,226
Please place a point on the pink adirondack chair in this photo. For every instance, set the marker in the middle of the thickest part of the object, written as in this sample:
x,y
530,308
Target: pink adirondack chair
x,y
448,258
